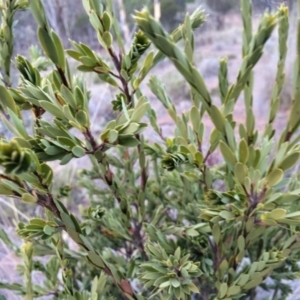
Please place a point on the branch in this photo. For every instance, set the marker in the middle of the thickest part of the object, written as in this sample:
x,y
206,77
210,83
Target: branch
x,y
95,147
63,77
118,64
144,176
88,135
138,239
48,200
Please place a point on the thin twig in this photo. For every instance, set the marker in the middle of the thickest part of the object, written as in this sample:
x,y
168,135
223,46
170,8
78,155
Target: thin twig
x,y
95,147
47,200
138,239
63,77
88,135
275,293
118,64
144,177
113,74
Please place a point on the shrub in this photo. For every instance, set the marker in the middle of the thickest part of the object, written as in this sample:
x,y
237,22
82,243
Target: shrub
x,y
171,222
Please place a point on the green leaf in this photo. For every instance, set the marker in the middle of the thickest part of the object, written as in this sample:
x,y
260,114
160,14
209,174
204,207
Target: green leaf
x,y
68,221
193,288
52,109
53,150
227,215
253,283
86,242
234,290
66,159
139,112
151,275
14,186
106,21
60,51
274,177
216,232
18,124
8,125
49,230
217,118
47,174
130,129
191,175
68,96
177,253
38,221
22,142
66,141
227,153
48,45
87,61
107,38
192,232
175,282
7,100
241,243
128,141
69,115
223,268
74,54
243,152
104,135
112,136
289,161
199,158
195,118
243,279
83,68
165,284
96,259
78,151
277,214
28,198
82,118
5,190
240,172
223,290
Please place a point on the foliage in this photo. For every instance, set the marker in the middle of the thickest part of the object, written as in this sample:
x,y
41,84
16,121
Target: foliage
x,y
167,222
8,9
